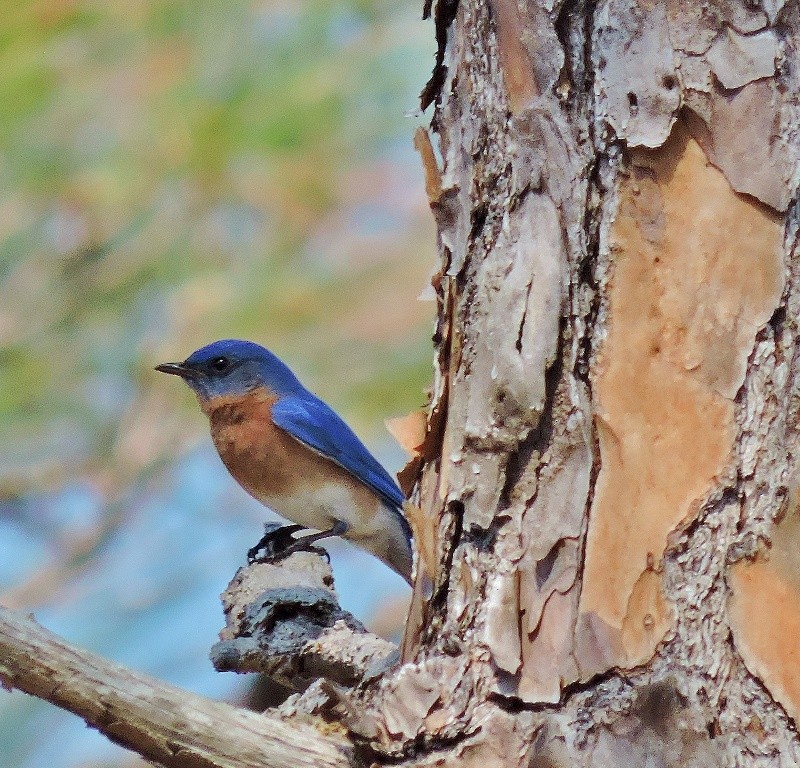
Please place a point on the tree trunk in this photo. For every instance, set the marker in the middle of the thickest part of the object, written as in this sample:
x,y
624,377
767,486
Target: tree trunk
x,y
613,533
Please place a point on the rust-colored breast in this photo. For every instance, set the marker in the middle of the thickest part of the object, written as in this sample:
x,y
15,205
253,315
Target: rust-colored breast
x,y
253,449
269,463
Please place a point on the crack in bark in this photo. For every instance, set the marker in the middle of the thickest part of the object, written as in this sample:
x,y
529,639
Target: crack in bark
x,y
515,705
521,332
443,16
778,319
589,685
575,63
540,436
438,602
544,567
483,539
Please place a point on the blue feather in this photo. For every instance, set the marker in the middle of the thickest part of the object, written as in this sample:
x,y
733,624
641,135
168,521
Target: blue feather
x,y
316,425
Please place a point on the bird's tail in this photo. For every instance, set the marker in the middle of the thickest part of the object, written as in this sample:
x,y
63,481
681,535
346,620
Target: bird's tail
x,y
391,542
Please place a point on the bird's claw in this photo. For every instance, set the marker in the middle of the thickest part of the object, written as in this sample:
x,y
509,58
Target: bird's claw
x,y
278,542
276,538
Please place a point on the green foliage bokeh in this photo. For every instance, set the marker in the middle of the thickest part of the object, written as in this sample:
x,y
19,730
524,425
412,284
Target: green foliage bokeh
x,y
177,171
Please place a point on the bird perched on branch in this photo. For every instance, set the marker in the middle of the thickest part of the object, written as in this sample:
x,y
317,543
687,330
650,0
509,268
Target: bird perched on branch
x,y
291,451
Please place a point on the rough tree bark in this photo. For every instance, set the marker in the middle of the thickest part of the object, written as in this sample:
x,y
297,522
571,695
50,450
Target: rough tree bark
x,y
607,518
615,572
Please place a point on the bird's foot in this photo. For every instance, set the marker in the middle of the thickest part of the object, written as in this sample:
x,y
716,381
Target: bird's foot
x,y
276,539
278,542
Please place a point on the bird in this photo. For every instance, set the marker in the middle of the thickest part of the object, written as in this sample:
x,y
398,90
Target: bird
x,y
291,451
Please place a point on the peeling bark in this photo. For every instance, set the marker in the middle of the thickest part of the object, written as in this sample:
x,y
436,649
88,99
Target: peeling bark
x,y
617,214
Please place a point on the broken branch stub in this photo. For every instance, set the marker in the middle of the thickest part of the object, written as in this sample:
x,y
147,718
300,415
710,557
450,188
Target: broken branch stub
x,y
283,620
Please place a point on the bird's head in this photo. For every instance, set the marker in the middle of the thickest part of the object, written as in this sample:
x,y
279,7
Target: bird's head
x,y
233,367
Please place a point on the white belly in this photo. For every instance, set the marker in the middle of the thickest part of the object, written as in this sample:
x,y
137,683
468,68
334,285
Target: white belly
x,y
320,510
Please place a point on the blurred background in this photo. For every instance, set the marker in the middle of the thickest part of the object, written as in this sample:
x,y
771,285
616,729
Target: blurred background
x,y
172,172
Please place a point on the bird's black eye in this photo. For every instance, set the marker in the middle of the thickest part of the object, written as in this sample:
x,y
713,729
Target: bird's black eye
x,y
220,364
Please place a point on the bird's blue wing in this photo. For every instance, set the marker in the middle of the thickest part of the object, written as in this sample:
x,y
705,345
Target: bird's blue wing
x,y
315,424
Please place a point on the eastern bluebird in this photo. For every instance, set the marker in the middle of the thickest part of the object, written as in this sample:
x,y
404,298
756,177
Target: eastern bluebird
x,y
290,450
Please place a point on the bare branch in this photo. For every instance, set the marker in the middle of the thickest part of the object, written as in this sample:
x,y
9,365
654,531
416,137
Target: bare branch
x,y
162,723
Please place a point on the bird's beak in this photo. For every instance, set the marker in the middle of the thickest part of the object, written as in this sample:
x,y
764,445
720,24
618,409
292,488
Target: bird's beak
x,y
177,369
